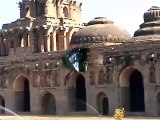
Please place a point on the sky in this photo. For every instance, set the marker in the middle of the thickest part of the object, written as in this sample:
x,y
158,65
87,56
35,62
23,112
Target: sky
x,y
127,14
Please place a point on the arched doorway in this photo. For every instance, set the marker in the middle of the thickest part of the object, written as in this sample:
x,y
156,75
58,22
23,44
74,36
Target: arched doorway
x,y
48,104
132,90
136,92
2,105
80,94
76,92
103,104
22,94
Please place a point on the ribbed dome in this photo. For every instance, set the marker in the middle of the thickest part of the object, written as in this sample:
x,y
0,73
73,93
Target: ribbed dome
x,y
151,25
100,31
152,14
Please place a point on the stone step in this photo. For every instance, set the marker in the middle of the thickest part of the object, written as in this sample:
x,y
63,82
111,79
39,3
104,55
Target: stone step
x,y
135,113
78,113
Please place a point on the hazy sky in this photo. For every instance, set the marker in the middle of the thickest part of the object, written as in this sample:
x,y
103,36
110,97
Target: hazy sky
x,y
127,14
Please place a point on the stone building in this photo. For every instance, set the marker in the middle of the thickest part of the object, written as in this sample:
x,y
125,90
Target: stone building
x,y
122,71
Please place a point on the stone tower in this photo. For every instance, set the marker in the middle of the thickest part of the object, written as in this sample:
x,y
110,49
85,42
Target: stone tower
x,y
44,26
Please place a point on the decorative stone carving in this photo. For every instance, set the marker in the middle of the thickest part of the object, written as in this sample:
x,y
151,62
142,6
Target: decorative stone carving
x,y
152,78
37,80
6,83
101,77
92,77
54,79
57,79
34,80
47,79
109,75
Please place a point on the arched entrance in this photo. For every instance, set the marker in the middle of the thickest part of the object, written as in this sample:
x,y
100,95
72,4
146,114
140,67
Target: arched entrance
x,y
76,92
132,91
22,94
48,104
136,92
2,104
103,105
80,94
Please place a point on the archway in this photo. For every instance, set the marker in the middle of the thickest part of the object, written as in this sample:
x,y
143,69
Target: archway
x,y
48,104
65,12
22,94
2,104
76,92
103,104
132,90
136,92
80,94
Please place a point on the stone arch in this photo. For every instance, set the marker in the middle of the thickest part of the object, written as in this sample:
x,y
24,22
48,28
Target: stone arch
x,y
65,12
92,77
101,77
109,75
76,91
152,78
57,78
103,103
2,104
131,86
37,82
48,103
22,93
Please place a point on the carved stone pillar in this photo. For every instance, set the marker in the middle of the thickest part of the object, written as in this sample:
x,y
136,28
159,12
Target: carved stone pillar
x,y
33,41
46,42
64,38
53,39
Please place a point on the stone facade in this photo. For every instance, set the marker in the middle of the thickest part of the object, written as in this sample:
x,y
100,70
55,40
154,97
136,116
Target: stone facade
x,y
122,71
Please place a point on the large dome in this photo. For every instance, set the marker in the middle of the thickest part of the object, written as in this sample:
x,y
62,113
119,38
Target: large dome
x,y
100,31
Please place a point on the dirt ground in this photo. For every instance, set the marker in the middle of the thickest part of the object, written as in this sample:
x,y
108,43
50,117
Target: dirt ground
x,y
70,118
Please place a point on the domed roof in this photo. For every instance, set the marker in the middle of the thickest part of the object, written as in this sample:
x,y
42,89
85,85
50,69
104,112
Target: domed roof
x,y
151,25
100,31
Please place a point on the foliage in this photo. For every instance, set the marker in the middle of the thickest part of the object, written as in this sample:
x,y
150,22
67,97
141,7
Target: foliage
x,y
76,59
119,114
